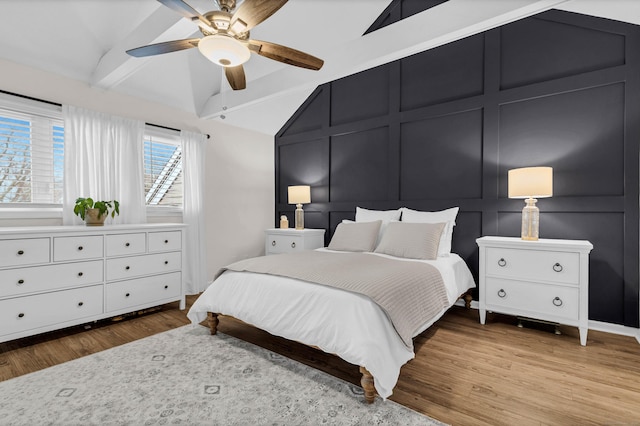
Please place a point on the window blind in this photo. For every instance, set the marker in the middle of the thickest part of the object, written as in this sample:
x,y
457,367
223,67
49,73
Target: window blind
x,y
163,168
31,153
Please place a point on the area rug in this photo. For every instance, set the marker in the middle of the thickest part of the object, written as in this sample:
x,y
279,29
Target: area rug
x,y
186,376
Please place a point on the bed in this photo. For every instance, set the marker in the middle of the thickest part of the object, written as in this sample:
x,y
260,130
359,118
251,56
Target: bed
x,y
364,329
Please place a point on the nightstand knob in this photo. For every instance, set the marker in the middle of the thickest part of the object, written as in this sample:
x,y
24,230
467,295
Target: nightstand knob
x,y
557,267
502,262
502,293
273,243
557,301
293,244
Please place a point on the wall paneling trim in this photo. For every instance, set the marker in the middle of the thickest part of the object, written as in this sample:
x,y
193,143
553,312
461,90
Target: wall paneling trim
x,y
442,128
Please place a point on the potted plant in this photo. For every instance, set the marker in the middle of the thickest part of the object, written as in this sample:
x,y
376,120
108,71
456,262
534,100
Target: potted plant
x,y
95,212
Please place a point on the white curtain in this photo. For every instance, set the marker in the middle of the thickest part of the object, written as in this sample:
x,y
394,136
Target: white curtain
x,y
103,160
193,162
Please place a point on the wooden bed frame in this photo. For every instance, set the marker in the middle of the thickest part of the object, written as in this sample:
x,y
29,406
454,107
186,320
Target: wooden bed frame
x,y
367,380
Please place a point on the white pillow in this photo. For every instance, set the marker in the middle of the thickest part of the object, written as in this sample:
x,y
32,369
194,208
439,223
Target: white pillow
x,y
412,240
355,236
448,216
365,215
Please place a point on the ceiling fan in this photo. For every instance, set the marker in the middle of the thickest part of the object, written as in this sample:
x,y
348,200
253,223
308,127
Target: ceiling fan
x,y
226,39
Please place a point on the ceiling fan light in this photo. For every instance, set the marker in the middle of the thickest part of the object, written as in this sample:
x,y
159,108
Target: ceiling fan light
x,y
224,50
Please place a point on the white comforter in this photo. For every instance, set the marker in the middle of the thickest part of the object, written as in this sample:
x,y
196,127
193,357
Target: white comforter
x,y
346,324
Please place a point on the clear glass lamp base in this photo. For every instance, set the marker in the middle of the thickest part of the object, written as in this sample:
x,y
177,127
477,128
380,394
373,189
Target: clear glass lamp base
x,y
530,220
299,217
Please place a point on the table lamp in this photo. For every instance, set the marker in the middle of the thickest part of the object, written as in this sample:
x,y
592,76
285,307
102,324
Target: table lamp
x,y
299,195
530,183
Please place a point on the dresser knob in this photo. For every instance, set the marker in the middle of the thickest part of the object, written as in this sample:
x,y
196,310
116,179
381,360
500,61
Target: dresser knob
x,y
166,262
20,315
502,293
80,303
20,282
127,267
273,243
127,295
293,244
557,267
166,287
502,263
166,241
127,244
20,252
80,248
557,301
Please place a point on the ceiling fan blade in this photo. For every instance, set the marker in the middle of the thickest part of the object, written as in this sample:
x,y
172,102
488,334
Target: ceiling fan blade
x,y
165,47
185,10
251,12
285,54
235,77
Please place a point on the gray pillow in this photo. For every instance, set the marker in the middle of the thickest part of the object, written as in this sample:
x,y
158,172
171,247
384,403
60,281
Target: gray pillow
x,y
411,240
355,236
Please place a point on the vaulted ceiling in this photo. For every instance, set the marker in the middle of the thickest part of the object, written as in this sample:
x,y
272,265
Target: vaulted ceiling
x,y
86,40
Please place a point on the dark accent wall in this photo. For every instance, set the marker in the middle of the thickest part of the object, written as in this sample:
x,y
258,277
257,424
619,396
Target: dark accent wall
x,y
442,128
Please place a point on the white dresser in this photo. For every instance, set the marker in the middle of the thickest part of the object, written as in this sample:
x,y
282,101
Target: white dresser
x,y
280,240
545,280
53,277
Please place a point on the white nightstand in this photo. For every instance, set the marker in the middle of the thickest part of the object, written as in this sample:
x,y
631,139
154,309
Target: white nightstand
x,y
289,240
545,279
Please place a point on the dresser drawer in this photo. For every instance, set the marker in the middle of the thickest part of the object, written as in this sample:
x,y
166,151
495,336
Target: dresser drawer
x,y
30,312
165,241
28,251
135,266
534,265
77,248
33,279
126,244
533,299
142,291
284,243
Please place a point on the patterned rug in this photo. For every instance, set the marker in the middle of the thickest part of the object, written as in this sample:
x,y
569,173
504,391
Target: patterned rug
x,y
187,377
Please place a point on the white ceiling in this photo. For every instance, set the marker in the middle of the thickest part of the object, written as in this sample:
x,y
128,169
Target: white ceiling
x,y
86,40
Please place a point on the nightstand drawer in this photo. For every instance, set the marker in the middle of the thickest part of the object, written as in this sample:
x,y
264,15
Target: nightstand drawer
x,y
532,299
284,243
534,265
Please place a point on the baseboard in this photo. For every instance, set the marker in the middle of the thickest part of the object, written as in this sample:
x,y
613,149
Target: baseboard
x,y
593,325
622,330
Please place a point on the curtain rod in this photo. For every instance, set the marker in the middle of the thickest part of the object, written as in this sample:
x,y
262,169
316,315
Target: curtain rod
x,y
169,128
60,105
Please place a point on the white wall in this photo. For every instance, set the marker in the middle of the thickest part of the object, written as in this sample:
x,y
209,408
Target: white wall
x,y
240,163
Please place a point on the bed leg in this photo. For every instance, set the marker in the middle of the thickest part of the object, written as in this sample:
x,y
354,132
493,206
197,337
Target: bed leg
x,y
213,322
467,300
367,385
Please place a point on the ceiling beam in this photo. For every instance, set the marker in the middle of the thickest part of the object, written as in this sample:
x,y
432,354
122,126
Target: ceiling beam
x,y
116,65
454,20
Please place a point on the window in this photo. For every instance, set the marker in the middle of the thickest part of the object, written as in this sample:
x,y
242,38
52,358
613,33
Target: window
x,y
31,152
162,167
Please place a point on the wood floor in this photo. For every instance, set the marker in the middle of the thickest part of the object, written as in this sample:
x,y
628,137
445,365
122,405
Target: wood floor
x,y
463,374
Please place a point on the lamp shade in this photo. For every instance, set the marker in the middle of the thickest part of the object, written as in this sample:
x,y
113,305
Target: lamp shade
x,y
224,50
531,182
300,194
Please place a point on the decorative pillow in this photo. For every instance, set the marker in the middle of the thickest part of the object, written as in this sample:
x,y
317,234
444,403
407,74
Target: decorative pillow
x,y
365,215
355,236
412,240
448,216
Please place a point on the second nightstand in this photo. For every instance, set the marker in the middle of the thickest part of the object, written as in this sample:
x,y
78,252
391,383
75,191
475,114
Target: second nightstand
x,y
545,279
288,240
